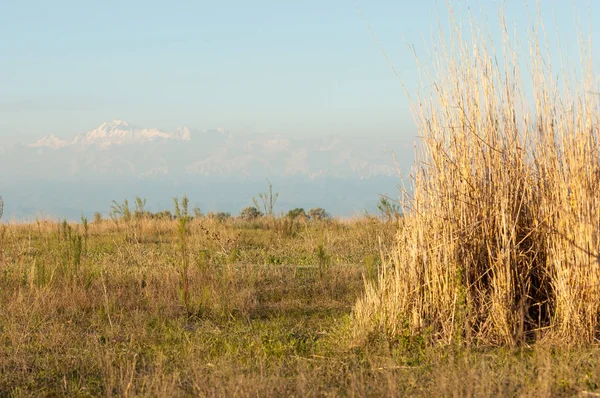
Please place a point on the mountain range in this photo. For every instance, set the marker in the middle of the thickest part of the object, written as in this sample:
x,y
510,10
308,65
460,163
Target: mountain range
x,y
118,148
117,155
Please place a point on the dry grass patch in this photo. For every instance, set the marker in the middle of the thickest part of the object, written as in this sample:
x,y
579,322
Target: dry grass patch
x,y
501,236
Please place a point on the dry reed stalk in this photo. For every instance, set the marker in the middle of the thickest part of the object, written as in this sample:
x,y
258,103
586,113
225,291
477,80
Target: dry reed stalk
x,y
500,240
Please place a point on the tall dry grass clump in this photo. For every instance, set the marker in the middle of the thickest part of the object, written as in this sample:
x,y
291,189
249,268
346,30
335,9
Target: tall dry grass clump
x,y
501,236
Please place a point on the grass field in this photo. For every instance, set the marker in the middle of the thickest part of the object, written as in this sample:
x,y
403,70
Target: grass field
x,y
488,285
102,313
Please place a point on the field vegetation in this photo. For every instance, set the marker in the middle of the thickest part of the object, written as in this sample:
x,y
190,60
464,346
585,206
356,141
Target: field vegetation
x,y
483,281
140,305
206,307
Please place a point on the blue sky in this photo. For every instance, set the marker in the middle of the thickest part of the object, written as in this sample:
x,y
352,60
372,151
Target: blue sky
x,y
290,67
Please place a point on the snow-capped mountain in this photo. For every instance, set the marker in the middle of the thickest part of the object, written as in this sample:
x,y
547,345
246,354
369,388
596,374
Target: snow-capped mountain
x,y
118,148
116,132
49,141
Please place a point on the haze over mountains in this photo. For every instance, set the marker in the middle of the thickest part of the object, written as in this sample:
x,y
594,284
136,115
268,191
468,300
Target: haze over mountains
x,y
219,170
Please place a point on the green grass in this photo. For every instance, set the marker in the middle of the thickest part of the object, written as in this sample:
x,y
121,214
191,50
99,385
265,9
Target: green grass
x,y
266,321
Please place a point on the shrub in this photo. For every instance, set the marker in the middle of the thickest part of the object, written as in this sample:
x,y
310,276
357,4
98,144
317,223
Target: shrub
x,y
388,210
219,216
250,213
318,214
297,213
163,215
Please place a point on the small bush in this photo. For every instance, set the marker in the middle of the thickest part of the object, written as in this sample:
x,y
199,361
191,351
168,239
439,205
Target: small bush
x,y
297,213
250,213
388,210
318,214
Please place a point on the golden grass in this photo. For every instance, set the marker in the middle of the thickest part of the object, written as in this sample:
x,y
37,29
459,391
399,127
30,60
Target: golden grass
x,y
106,317
265,319
501,236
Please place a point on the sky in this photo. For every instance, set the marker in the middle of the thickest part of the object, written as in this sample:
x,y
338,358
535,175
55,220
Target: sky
x,y
288,67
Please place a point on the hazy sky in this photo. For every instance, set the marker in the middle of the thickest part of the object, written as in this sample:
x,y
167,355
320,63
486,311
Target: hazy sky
x,y
291,67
